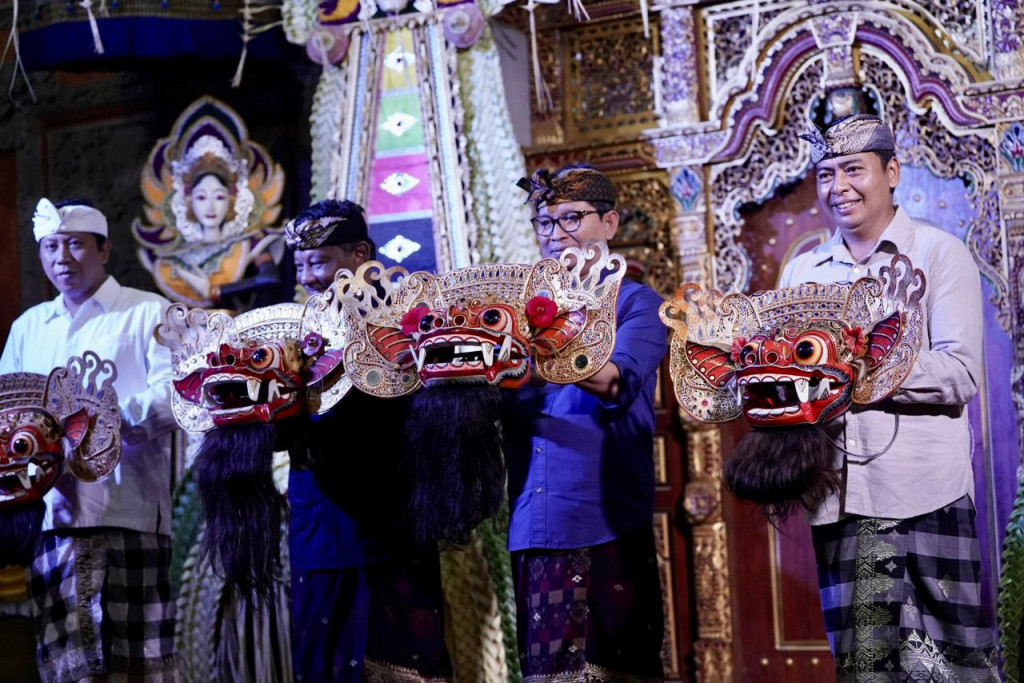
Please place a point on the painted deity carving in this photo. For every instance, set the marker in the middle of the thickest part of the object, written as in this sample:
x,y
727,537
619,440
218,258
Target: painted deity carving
x,y
790,360
212,197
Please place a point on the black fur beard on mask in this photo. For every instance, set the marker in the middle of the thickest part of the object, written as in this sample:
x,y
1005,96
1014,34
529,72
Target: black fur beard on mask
x,y
243,508
20,529
455,461
781,469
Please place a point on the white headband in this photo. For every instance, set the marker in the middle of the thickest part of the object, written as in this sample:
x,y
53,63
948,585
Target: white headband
x,y
48,219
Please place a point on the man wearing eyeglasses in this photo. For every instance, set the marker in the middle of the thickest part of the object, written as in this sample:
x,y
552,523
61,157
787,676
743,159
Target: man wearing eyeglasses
x,y
581,476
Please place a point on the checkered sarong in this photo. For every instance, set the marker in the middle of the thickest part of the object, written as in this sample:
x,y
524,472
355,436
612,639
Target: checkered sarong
x,y
901,598
590,615
103,606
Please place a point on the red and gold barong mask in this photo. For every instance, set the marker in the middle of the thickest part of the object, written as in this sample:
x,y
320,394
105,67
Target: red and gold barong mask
x,y
490,324
261,366
67,421
796,355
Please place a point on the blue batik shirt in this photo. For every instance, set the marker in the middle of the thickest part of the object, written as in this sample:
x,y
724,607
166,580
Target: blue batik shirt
x,y
581,470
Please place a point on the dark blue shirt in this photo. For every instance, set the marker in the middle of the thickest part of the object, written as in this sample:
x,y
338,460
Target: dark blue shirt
x,y
581,471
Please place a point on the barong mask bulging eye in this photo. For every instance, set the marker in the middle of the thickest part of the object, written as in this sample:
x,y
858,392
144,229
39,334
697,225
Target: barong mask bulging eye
x,y
67,420
491,324
788,360
262,366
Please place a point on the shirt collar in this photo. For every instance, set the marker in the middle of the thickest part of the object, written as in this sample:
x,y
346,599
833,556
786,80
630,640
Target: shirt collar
x,y
104,297
897,233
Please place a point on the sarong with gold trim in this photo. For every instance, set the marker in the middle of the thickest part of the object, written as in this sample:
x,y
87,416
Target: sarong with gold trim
x,y
590,615
902,598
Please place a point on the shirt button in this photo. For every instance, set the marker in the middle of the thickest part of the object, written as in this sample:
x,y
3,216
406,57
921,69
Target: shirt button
x,y
853,442
538,449
539,490
856,271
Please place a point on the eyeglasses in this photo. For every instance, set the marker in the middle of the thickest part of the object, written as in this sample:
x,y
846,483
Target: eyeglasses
x,y
570,222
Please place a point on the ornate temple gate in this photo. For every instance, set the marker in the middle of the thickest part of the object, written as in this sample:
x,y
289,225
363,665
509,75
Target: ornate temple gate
x,y
698,124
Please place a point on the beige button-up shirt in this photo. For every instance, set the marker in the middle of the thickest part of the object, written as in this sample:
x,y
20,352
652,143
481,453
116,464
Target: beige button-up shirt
x,y
929,464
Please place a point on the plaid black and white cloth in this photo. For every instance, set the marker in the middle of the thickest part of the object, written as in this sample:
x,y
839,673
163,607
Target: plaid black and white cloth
x,y
103,607
901,598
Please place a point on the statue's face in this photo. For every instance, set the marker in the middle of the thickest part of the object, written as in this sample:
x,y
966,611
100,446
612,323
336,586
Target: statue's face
x,y
31,455
211,200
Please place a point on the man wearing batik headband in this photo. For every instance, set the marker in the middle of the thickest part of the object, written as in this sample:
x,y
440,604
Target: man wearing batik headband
x,y
116,531
914,497
364,606
581,476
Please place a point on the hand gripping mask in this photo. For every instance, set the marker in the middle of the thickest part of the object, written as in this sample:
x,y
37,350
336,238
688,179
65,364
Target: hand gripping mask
x,y
791,359
68,421
240,380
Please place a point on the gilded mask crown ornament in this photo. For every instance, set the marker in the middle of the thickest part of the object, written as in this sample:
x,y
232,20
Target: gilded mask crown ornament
x,y
480,324
176,245
260,366
796,355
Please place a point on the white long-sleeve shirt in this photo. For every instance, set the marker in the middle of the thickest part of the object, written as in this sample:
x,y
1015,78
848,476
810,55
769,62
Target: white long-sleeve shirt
x,y
117,323
929,463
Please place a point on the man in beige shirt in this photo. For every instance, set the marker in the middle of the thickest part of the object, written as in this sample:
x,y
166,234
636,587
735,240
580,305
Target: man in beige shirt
x,y
897,550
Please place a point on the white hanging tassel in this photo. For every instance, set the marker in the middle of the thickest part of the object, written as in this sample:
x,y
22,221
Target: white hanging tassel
x,y
578,10
97,42
544,101
19,66
246,37
646,18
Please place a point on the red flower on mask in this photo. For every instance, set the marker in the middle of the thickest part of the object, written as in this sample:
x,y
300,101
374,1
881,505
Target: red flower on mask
x,y
855,340
541,311
312,344
737,346
411,320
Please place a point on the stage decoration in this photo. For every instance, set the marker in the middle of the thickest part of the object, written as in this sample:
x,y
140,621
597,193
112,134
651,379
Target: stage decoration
x,y
492,324
208,166
68,422
792,358
239,380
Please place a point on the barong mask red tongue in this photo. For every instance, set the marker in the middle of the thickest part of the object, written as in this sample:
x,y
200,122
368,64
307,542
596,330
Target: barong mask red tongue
x,y
493,324
798,355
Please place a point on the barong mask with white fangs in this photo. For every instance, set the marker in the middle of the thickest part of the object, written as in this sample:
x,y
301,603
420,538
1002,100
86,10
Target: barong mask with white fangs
x,y
789,360
67,419
262,366
490,324
796,355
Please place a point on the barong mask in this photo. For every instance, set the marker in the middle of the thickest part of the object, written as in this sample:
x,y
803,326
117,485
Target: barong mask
x,y
791,358
454,340
489,324
264,365
238,379
68,421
